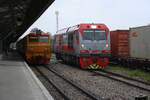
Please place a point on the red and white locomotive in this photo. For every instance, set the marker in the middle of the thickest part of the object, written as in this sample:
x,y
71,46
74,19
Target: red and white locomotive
x,y
87,45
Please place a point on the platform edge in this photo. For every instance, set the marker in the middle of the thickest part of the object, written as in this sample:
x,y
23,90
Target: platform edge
x,y
41,86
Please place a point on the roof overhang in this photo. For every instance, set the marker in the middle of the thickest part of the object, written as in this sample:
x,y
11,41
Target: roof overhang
x,y
18,15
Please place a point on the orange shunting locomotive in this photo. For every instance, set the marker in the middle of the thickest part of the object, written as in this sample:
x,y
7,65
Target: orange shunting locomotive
x,y
36,47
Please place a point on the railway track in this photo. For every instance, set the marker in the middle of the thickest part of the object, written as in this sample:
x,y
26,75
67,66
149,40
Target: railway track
x,y
122,91
124,79
50,82
121,78
79,92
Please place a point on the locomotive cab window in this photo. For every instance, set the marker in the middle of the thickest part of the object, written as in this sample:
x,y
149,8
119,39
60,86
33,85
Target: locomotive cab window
x,y
100,35
88,35
43,39
94,35
38,39
33,39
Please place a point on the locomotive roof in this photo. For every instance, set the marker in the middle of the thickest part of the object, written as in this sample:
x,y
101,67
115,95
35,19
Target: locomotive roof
x,y
76,27
42,34
120,30
62,31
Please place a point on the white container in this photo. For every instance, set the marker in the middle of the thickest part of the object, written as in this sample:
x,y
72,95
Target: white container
x,y
140,42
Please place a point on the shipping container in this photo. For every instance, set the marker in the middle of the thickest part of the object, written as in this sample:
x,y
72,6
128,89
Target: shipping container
x,y
140,42
120,43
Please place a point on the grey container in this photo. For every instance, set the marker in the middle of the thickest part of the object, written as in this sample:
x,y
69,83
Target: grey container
x,y
139,42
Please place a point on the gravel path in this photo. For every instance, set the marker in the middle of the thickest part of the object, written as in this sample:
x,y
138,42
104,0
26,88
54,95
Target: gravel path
x,y
99,85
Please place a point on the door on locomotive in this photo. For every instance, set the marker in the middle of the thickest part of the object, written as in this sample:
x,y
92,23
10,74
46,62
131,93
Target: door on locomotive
x,y
58,45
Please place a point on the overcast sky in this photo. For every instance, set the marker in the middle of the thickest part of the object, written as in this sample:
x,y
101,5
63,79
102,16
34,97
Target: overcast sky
x,y
116,14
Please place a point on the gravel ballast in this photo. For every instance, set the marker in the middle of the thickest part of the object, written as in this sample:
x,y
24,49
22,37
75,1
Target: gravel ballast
x,y
99,85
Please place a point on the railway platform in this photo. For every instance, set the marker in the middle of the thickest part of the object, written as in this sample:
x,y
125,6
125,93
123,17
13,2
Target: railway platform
x,y
18,82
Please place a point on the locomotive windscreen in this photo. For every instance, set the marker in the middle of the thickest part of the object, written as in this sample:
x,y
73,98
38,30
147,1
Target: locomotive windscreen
x,y
94,35
43,39
33,39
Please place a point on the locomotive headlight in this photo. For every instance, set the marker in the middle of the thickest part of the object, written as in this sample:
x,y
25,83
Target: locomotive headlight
x,y
106,45
82,45
93,26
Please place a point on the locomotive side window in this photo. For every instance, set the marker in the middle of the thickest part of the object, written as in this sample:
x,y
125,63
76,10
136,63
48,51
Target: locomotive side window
x,y
64,39
100,35
77,37
70,40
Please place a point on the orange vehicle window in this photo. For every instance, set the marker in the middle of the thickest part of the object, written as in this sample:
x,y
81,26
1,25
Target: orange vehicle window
x,y
33,39
43,39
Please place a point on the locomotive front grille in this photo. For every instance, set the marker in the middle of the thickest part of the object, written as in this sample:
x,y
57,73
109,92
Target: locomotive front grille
x,y
94,60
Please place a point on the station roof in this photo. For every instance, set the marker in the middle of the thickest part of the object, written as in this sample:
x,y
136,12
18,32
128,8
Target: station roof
x,y
16,16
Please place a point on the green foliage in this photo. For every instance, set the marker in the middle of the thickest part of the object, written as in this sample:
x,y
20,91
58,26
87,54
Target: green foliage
x,y
134,73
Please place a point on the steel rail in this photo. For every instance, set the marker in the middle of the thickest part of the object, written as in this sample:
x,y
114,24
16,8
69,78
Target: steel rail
x,y
105,74
121,76
126,77
88,93
59,90
117,78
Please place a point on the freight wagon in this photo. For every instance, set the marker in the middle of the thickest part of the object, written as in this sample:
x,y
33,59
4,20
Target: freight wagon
x,y
140,42
131,47
86,45
140,46
119,43
35,47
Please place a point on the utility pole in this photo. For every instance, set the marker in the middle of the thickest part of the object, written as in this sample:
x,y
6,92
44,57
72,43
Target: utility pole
x,y
57,24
